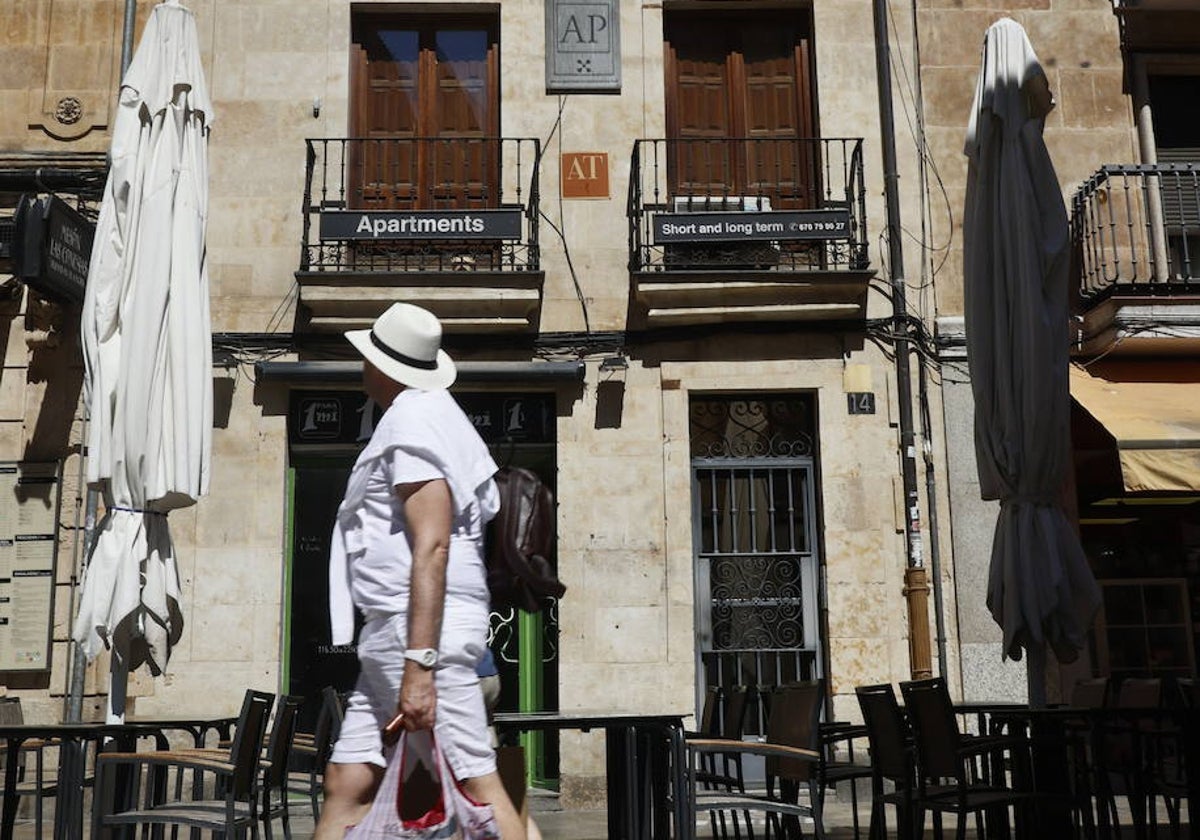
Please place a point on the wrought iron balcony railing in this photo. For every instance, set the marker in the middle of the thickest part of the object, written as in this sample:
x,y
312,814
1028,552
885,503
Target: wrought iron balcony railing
x,y
421,204
747,204
1136,231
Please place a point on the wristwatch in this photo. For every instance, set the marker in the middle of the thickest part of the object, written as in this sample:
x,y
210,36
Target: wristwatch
x,y
425,657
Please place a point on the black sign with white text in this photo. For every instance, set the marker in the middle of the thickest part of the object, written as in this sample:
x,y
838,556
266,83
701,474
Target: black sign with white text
x,y
750,227
332,419
53,247
420,225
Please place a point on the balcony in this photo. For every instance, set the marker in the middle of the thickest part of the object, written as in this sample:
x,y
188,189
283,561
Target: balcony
x,y
746,229
450,223
1136,267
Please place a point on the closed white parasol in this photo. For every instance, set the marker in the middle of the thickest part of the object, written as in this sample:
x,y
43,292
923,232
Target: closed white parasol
x,y
1016,248
148,348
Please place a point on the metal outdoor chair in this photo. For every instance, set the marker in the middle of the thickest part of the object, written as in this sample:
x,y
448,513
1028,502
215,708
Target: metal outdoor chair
x,y
892,761
310,752
795,720
1122,753
124,778
32,780
949,779
725,718
1088,696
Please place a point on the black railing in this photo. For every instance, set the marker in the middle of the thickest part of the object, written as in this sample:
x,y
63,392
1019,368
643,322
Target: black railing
x,y
1136,230
812,179
421,175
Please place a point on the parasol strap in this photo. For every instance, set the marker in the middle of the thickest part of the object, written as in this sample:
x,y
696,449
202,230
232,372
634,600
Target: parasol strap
x,y
1044,499
139,510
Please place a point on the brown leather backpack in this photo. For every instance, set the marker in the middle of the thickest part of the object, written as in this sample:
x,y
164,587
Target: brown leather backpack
x,y
521,542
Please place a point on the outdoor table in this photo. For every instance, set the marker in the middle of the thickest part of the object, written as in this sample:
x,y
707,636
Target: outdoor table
x,y
1050,731
70,738
646,767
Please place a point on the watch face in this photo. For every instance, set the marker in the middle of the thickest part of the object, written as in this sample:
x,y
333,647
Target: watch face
x,y
428,659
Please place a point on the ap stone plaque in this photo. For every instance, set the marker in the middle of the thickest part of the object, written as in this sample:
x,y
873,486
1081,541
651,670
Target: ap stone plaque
x,y
583,47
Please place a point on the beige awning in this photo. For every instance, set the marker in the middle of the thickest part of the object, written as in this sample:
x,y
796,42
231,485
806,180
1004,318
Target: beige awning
x,y
1152,409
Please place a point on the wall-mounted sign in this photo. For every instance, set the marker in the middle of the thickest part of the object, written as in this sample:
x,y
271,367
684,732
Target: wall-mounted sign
x,y
739,226
583,46
329,420
52,247
29,505
421,224
585,175
860,402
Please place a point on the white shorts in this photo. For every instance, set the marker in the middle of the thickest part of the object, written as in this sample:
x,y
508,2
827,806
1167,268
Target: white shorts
x,y
460,724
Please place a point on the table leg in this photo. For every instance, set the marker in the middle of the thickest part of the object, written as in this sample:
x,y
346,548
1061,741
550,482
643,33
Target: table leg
x,y
621,773
9,817
685,823
68,811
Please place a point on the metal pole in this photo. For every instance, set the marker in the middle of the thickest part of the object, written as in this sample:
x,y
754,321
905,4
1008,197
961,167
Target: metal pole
x,y
74,711
916,586
127,35
935,565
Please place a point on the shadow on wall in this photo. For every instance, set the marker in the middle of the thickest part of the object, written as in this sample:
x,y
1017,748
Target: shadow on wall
x,y
56,370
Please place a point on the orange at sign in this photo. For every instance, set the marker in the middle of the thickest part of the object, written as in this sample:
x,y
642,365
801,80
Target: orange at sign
x,y
585,175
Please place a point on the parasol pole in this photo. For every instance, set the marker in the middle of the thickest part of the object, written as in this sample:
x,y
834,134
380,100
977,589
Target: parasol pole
x,y
916,581
74,710
127,36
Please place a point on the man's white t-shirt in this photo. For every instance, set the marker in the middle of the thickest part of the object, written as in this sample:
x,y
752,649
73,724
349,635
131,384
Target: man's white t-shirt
x,y
423,436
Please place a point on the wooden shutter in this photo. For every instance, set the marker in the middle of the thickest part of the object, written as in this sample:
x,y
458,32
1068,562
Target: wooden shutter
x,y
740,75
429,77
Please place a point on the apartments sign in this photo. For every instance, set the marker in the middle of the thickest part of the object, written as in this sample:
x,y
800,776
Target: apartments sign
x,y
421,225
751,227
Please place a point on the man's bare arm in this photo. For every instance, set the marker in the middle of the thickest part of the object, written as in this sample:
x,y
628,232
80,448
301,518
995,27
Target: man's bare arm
x,y
427,516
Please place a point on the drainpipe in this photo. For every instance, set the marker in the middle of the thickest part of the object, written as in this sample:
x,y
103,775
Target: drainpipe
x,y
916,583
1148,149
935,561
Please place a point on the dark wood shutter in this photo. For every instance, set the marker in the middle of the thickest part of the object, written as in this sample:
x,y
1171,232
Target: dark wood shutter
x,y
430,77
740,75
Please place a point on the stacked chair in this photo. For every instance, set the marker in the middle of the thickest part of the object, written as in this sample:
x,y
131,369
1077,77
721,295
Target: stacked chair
x,y
311,751
799,757
892,762
31,781
958,774
143,778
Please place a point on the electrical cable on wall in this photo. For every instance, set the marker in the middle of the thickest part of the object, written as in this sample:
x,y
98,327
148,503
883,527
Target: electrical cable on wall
x,y
561,231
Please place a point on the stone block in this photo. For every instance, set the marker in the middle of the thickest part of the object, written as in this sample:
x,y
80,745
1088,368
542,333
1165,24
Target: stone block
x,y
954,39
627,634
1093,99
987,676
12,393
221,633
622,579
1075,39
234,575
949,94
864,611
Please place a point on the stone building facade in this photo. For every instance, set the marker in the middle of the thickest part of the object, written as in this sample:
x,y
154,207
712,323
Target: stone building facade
x,y
717,415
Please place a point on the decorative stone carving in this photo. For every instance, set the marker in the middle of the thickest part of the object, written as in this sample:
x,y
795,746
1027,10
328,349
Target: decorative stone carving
x,y
69,110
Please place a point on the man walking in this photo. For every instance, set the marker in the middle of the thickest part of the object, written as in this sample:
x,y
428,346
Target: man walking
x,y
408,552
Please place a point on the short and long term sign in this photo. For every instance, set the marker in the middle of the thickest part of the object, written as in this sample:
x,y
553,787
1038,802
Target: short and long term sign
x,y
739,226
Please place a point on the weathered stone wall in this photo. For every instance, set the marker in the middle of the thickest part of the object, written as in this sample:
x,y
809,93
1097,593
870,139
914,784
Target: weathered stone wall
x,y
625,547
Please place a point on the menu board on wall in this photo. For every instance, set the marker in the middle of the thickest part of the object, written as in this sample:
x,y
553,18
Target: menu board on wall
x,y
29,506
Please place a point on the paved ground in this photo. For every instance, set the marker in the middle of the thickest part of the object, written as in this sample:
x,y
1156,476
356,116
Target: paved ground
x,y
557,824
553,822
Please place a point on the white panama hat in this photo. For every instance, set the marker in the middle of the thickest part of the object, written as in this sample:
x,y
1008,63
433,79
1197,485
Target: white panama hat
x,y
404,343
